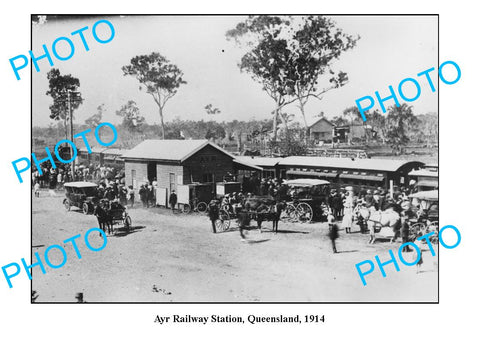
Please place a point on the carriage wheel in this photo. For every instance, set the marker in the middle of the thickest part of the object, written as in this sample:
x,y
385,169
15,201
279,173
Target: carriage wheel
x,y
85,208
304,212
289,214
223,221
127,223
186,208
202,207
433,227
66,203
417,230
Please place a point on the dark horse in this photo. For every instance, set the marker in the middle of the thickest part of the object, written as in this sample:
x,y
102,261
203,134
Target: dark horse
x,y
105,219
266,209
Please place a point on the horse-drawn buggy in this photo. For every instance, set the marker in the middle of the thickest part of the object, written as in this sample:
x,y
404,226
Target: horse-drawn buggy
x,y
306,199
424,206
245,209
110,213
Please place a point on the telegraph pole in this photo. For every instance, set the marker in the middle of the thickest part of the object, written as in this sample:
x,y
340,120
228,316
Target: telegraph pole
x,y
72,166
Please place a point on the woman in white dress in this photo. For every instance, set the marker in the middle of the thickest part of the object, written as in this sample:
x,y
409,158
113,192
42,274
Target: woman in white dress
x,y
348,213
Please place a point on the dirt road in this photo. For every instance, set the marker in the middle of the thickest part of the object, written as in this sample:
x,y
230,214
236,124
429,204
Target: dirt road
x,y
187,263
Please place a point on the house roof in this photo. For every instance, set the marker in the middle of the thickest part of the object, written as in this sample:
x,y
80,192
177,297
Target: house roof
x,y
318,120
349,163
169,149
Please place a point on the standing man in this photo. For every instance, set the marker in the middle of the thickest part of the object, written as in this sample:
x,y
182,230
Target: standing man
x,y
143,195
173,200
405,231
213,214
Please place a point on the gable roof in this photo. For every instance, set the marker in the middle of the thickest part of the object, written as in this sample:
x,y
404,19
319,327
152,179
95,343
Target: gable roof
x,y
317,121
169,149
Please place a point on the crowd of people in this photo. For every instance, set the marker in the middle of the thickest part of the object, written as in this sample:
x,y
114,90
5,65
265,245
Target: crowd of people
x,y
55,178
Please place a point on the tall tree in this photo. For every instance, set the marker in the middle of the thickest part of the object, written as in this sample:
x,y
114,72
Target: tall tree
x,y
60,88
268,59
131,118
396,124
95,120
158,76
316,45
289,56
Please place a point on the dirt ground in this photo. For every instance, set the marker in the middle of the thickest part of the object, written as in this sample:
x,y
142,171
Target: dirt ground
x,y
176,258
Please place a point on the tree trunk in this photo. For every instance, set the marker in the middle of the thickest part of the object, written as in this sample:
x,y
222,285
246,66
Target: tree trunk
x,y
302,110
160,111
275,118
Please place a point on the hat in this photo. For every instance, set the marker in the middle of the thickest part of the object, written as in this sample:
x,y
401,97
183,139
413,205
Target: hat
x,y
369,191
376,192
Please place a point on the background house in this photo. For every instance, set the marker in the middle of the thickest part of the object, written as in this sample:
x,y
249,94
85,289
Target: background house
x,y
320,130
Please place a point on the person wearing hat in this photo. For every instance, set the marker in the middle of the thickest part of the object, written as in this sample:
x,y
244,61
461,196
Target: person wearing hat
x,y
405,232
172,200
369,198
213,214
348,213
362,214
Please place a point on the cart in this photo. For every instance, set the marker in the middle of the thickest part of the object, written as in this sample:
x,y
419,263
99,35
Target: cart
x,y
425,205
118,214
194,197
305,197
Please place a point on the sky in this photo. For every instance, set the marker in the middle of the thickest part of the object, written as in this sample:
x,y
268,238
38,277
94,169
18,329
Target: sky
x,y
391,48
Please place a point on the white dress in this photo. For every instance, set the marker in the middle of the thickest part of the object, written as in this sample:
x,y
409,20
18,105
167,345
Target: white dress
x,y
347,217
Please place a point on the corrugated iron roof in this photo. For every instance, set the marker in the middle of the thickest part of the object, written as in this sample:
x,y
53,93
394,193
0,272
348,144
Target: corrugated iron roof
x,y
169,149
349,163
247,164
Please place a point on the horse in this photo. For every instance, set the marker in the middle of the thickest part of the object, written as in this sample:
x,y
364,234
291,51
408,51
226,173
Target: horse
x,y
105,219
271,212
387,218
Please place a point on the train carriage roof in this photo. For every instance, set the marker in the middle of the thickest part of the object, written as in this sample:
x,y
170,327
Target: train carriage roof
x,y
80,184
349,163
306,182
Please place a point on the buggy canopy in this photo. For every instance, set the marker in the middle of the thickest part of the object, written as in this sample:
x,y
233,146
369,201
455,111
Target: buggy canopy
x,y
430,195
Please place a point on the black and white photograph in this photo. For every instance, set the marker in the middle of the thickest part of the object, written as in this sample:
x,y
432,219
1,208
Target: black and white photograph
x,y
208,174
235,158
